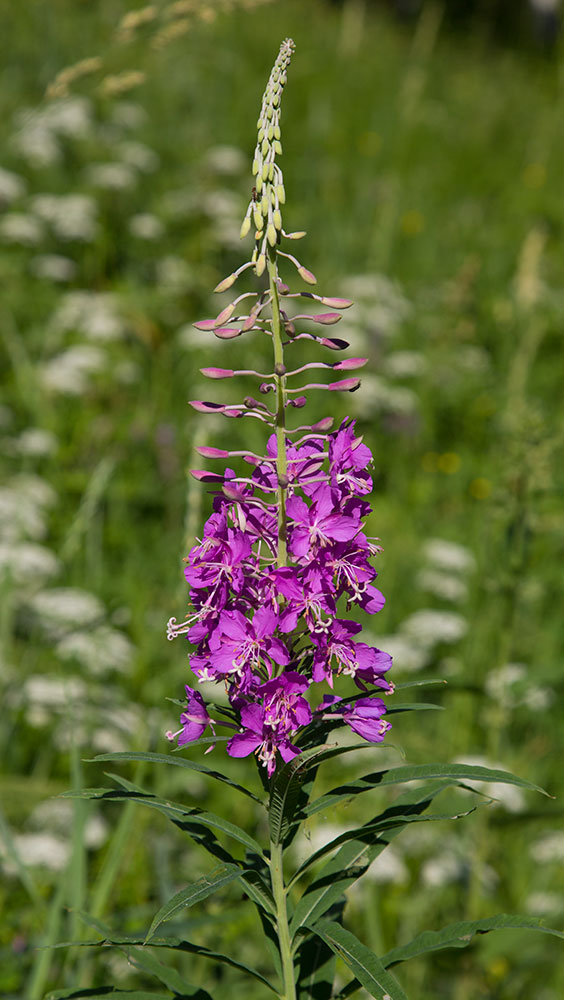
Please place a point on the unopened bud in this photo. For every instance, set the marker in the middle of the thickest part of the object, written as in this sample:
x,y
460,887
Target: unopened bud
x,y
345,385
264,205
281,192
231,278
203,476
277,218
264,147
257,217
325,424
245,226
260,265
349,364
271,234
298,402
280,369
217,372
295,236
227,332
277,147
264,173
207,452
334,343
256,166
336,303
306,275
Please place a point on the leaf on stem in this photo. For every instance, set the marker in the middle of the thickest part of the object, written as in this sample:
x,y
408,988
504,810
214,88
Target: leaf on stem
x,y
191,894
365,965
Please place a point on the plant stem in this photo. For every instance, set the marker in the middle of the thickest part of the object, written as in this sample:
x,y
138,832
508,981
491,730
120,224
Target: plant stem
x,y
279,893
279,374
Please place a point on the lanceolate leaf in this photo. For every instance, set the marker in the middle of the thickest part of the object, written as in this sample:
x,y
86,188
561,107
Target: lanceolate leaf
x,y
173,810
460,936
191,894
350,862
397,775
316,964
111,993
362,962
141,958
175,944
370,832
177,761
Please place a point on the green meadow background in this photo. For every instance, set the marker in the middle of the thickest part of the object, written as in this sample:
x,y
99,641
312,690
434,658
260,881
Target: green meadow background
x,y
426,165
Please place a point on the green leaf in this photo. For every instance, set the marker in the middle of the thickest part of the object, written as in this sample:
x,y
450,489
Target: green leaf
x,y
453,772
362,962
107,993
173,810
175,944
350,862
370,831
141,958
413,706
177,761
316,964
460,936
432,682
204,887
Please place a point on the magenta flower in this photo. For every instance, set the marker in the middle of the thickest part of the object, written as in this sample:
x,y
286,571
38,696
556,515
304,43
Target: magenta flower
x,y
364,716
318,525
193,720
239,644
258,735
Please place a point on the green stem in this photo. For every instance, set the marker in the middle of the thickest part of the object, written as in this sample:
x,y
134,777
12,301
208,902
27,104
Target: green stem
x,y
279,375
279,893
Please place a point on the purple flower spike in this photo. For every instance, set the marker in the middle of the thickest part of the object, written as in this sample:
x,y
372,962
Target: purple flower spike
x,y
258,736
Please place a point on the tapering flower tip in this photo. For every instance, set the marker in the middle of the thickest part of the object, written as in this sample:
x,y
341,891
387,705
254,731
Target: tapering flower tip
x,y
205,324
224,315
307,276
204,476
222,286
227,332
345,385
202,406
323,425
336,303
232,492
349,364
334,343
326,319
217,372
207,452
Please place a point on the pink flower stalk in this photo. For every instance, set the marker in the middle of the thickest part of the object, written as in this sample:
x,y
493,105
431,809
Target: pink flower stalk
x,y
286,542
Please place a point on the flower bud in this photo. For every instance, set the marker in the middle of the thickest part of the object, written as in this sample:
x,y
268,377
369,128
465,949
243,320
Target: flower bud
x,y
227,332
349,364
298,402
271,234
245,226
231,278
281,192
336,303
277,218
334,343
224,314
306,275
207,452
217,372
345,385
257,217
204,324
202,406
203,476
261,264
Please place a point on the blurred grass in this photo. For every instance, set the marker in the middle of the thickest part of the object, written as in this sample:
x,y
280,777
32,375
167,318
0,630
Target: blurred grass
x,y
430,160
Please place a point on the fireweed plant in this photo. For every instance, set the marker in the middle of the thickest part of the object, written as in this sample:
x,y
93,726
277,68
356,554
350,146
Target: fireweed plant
x,y
283,558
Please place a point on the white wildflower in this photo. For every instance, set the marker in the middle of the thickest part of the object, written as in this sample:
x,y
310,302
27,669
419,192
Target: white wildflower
x,y
381,397
26,563
53,267
111,176
500,683
62,608
145,226
449,556
94,314
432,627
442,585
138,156
128,114
405,364
43,850
174,273
225,160
100,650
18,227
549,848
70,216
443,869
12,186
545,903
408,656
69,373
